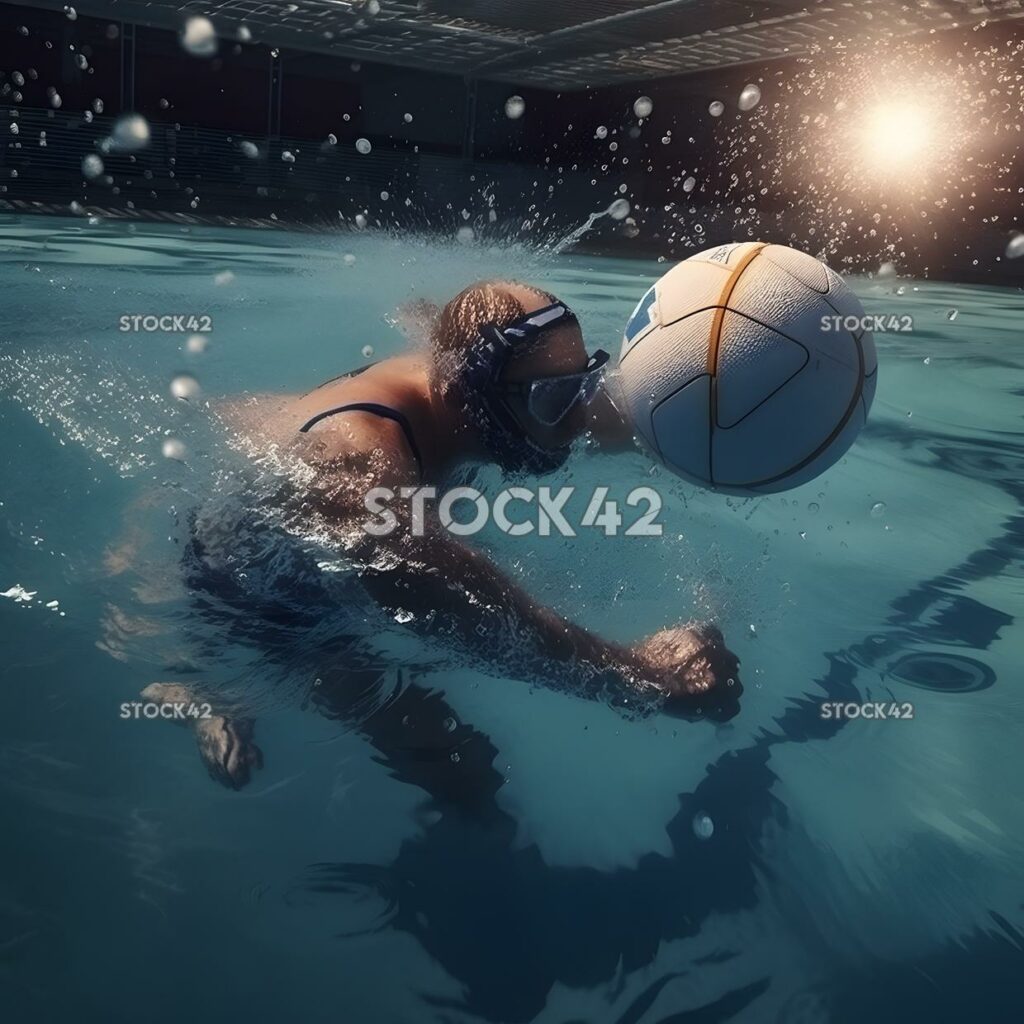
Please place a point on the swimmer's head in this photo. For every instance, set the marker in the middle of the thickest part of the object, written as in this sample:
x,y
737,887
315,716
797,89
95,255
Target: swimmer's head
x,y
508,352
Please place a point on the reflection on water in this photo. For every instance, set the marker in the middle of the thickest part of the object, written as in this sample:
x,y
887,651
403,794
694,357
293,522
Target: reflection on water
x,y
440,842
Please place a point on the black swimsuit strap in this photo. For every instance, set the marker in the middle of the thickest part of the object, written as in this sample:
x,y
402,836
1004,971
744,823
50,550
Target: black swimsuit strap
x,y
377,410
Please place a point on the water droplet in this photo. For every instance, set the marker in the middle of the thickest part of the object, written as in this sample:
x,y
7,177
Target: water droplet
x,y
717,108
952,314
749,97
703,826
72,14
1015,246
454,757
225,277
199,37
196,344
407,118
185,387
367,351
515,107
249,149
172,448
601,133
465,235
813,507
360,221
332,139
803,535
385,195
15,130
363,146
643,106
244,34
130,131
878,510
619,209
348,259
450,724
689,183
786,587
403,616
927,360
287,156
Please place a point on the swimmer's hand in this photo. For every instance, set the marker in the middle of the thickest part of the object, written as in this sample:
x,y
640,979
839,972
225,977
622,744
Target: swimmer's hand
x,y
693,668
225,744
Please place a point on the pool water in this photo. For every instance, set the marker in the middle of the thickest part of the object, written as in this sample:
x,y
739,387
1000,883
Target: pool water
x,y
780,867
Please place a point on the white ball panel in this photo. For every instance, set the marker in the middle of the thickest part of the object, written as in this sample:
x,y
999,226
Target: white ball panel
x,y
681,429
868,395
773,298
839,447
753,361
688,286
664,360
727,255
867,343
787,428
806,269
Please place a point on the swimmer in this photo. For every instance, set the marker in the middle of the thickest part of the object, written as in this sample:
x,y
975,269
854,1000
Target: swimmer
x,y
505,380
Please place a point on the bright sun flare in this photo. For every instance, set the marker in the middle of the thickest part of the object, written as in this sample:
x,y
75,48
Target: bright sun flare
x,y
897,133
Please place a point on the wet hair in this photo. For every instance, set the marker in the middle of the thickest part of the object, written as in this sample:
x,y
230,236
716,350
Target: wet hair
x,y
457,326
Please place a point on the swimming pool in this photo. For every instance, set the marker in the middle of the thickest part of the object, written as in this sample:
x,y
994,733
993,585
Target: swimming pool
x,y
854,869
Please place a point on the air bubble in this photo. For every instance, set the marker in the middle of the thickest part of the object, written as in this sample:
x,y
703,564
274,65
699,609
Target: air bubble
x,y
172,448
703,826
199,37
878,510
643,106
749,97
515,107
363,146
185,387
367,351
717,108
601,133
1015,246
130,131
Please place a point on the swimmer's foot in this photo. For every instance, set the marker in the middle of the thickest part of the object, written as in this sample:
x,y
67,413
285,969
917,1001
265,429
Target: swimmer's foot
x,y
226,745
227,749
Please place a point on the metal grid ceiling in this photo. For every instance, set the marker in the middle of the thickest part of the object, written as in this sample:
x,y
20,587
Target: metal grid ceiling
x,y
561,43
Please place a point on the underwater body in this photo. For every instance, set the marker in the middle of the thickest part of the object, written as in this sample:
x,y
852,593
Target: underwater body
x,y
575,860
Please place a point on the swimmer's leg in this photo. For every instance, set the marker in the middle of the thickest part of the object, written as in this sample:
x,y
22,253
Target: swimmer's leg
x,y
418,737
225,740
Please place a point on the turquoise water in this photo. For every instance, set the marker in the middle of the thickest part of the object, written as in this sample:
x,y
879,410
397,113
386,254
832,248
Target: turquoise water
x,y
856,870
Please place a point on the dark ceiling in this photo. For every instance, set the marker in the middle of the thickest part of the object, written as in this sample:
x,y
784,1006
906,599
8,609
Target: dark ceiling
x,y
562,43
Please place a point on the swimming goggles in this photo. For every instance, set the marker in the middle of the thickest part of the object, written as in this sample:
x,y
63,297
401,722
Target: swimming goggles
x,y
550,399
